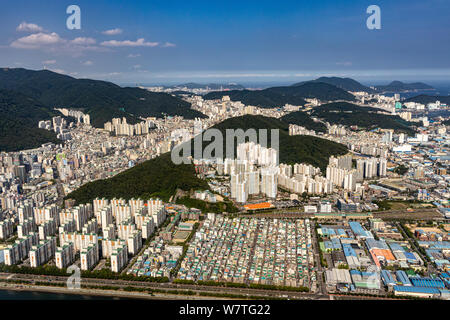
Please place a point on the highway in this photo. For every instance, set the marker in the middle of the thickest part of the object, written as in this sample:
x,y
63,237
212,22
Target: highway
x,y
169,286
319,274
425,214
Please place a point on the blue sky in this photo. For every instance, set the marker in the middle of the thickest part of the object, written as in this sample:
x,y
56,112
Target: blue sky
x,y
229,41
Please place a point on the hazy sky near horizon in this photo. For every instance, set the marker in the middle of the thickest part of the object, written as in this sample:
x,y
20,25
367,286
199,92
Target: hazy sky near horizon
x,y
228,41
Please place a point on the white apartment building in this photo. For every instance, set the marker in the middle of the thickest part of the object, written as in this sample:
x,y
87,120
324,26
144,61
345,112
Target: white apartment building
x,y
64,255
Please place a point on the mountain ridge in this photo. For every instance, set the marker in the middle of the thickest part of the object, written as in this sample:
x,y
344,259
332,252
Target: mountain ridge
x,y
365,117
398,86
301,118
19,117
347,84
102,100
279,96
425,99
293,149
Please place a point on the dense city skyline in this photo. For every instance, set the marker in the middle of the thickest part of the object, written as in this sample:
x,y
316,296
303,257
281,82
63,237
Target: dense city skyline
x,y
251,150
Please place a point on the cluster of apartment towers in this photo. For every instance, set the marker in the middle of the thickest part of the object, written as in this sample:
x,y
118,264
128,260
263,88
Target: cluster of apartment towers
x,y
112,229
120,127
256,172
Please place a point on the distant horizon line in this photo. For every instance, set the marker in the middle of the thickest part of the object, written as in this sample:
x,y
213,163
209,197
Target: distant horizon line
x,y
378,77
274,81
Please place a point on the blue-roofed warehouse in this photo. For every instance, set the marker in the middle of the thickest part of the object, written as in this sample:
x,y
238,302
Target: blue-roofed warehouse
x,y
348,250
416,291
387,278
359,230
396,247
428,283
403,278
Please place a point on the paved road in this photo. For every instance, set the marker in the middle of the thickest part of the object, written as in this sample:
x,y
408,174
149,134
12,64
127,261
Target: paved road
x,y
430,267
318,263
61,193
170,286
430,213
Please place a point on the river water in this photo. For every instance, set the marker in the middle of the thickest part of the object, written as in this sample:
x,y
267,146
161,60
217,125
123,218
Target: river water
x,y
34,295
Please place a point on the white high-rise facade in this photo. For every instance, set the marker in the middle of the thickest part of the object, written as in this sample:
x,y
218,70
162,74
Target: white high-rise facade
x,y
269,183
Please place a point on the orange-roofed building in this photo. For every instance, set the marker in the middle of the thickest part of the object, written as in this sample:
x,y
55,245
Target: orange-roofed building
x,y
387,254
258,206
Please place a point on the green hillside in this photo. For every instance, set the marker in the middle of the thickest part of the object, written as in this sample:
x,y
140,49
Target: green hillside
x,y
398,86
303,119
158,177
346,84
364,117
319,90
260,98
279,96
425,99
100,99
19,117
293,149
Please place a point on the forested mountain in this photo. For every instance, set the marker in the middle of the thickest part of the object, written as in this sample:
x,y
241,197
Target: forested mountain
x,y
425,99
346,84
100,99
303,119
293,149
349,114
279,96
158,177
398,86
19,117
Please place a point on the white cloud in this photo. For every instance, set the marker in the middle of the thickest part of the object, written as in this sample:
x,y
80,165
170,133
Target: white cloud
x,y
29,27
87,63
52,42
37,40
49,62
131,55
137,66
112,32
83,41
128,43
168,45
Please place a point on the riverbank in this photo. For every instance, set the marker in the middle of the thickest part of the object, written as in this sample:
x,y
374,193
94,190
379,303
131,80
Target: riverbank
x,y
93,294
